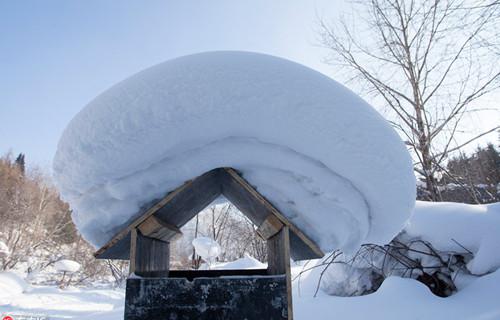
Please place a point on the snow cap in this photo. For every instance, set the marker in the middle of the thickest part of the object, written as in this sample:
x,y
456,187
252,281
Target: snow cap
x,y
66,265
324,157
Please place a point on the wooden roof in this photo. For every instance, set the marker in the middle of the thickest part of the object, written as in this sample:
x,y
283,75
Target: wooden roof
x,y
182,204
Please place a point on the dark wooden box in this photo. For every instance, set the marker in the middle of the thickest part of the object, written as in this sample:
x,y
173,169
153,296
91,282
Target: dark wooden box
x,y
251,297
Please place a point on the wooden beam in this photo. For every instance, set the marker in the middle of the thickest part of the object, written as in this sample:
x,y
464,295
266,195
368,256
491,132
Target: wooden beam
x,y
271,226
278,261
232,174
133,251
155,228
182,204
188,203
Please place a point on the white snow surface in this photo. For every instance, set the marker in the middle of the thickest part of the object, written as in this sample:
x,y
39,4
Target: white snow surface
x,y
66,265
400,298
459,227
318,152
342,279
11,284
247,262
397,299
70,303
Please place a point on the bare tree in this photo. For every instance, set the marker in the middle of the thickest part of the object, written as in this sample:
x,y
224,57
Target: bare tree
x,y
429,62
34,219
37,227
229,227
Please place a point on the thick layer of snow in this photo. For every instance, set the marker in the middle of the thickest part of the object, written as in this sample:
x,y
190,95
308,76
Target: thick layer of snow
x,y
400,298
321,154
397,299
207,248
67,266
460,227
342,279
11,284
70,303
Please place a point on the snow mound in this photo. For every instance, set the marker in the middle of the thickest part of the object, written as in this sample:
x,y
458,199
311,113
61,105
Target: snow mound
x,y
207,248
317,151
342,279
247,262
67,266
12,284
458,227
400,298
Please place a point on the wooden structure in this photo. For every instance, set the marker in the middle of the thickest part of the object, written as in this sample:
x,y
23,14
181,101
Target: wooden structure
x,y
163,294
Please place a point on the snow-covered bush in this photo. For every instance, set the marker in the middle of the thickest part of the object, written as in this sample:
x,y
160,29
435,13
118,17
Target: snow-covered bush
x,y
342,279
207,248
66,266
442,241
36,228
470,230
363,272
35,222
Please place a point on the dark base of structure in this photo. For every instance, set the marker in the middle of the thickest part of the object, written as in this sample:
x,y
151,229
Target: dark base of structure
x,y
236,297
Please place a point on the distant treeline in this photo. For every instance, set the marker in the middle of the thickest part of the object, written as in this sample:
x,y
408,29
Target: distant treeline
x,y
473,178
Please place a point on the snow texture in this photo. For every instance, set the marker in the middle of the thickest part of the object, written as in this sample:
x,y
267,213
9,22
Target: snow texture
x,y
460,227
67,266
318,152
70,303
397,299
400,298
343,279
247,262
11,284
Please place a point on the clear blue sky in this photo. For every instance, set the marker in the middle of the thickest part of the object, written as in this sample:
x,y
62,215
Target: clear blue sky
x,y
55,56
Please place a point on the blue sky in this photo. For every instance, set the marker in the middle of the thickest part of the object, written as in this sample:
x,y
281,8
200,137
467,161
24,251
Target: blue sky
x,y
55,56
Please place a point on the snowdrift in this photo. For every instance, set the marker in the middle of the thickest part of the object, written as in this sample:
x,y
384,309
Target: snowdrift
x,y
459,227
400,298
11,284
319,153
247,262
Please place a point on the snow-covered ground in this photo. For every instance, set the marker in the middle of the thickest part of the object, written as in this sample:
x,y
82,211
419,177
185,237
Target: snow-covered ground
x,y
397,299
443,224
400,298
70,303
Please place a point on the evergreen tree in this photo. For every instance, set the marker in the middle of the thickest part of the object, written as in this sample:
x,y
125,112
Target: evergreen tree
x,y
20,163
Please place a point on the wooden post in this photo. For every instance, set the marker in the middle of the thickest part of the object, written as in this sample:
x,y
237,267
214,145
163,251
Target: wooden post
x,y
149,257
278,257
